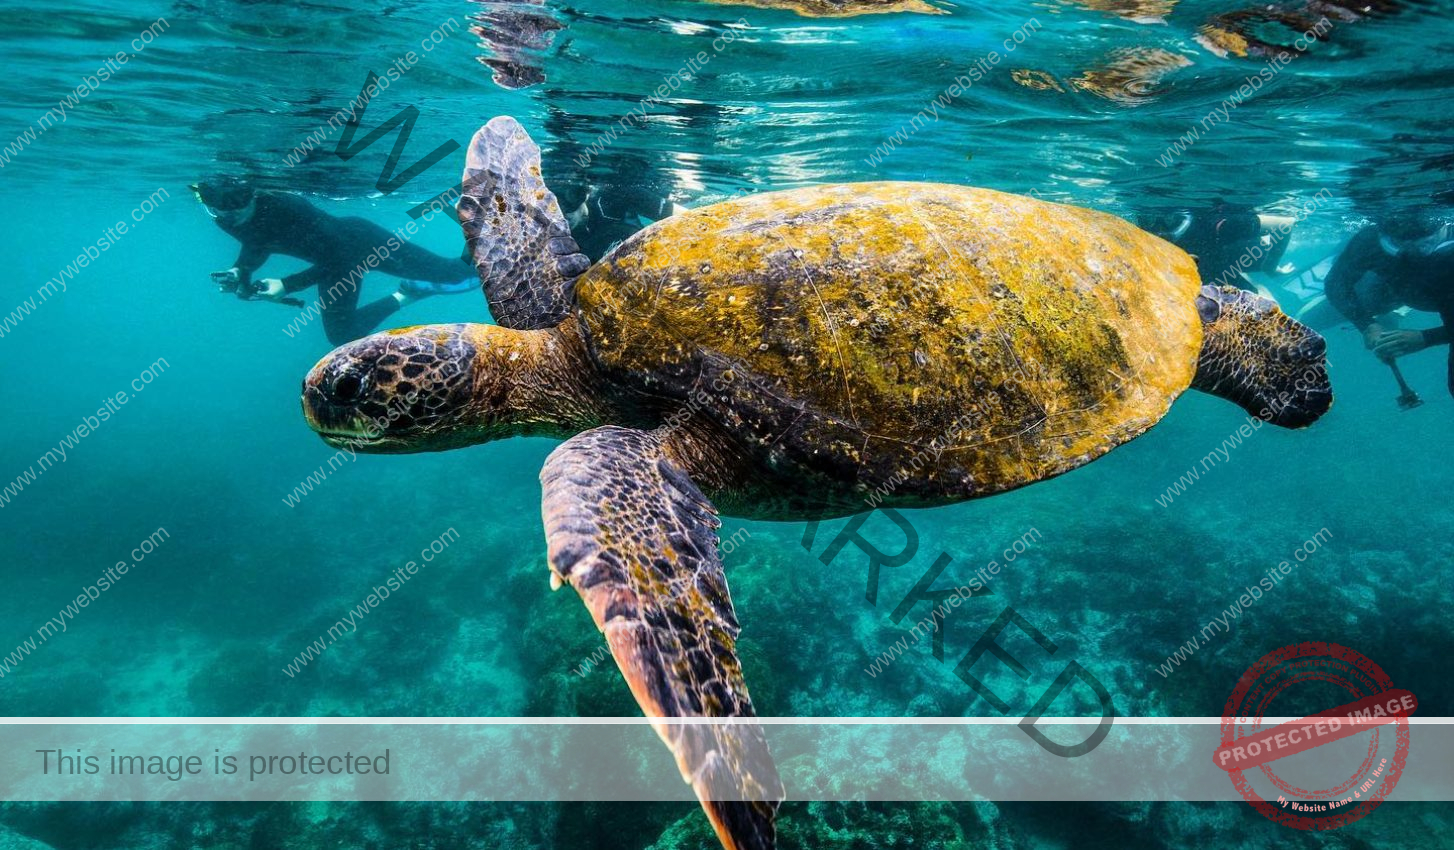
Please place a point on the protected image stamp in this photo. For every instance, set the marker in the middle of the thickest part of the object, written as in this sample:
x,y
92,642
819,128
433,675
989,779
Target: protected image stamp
x,y
1247,748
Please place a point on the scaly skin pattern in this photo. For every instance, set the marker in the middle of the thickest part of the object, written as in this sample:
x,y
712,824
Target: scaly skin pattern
x,y
845,334
440,387
1257,357
513,227
638,540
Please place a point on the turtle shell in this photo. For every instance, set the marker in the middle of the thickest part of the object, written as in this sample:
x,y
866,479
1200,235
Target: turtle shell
x,y
931,341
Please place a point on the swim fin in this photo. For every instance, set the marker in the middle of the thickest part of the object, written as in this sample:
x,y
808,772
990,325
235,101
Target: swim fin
x,y
421,288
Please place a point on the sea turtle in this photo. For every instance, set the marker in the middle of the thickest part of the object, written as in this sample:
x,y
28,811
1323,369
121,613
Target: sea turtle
x,y
785,356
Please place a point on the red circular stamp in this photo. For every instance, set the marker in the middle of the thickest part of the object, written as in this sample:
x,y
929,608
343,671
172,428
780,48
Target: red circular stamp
x,y
1247,749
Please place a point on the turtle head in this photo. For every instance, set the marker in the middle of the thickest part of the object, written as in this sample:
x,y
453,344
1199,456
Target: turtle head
x,y
1256,356
433,387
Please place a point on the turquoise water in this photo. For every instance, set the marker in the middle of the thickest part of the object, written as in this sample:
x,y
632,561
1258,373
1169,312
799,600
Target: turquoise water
x,y
210,445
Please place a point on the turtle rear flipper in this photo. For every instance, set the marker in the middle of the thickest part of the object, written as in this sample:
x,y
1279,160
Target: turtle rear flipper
x,y
638,541
514,229
1255,356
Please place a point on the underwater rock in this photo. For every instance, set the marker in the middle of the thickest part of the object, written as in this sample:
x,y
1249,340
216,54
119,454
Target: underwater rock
x,y
285,826
237,680
1194,825
15,841
869,826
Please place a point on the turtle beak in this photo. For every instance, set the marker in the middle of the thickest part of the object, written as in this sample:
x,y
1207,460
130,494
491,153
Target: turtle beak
x,y
330,393
353,403
393,392
343,429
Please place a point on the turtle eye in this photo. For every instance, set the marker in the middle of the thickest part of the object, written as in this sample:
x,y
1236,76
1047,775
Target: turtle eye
x,y
347,388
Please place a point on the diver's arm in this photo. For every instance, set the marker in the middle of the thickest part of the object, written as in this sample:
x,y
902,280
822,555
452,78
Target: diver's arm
x,y
249,260
1401,343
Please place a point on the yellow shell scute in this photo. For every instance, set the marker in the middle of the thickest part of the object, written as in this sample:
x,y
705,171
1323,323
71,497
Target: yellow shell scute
x,y
1028,337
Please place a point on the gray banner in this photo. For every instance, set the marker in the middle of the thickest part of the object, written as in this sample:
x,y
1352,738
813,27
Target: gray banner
x,y
560,759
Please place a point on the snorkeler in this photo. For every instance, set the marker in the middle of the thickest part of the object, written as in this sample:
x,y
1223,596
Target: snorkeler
x,y
1226,241
1405,259
268,223
607,214
604,209
607,197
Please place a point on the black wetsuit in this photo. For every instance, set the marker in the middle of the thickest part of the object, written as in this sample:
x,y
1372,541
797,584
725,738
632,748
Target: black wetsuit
x,y
613,214
1422,281
1218,239
338,249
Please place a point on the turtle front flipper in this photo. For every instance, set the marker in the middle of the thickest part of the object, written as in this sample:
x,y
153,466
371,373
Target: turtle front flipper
x,y
1257,357
636,538
513,226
